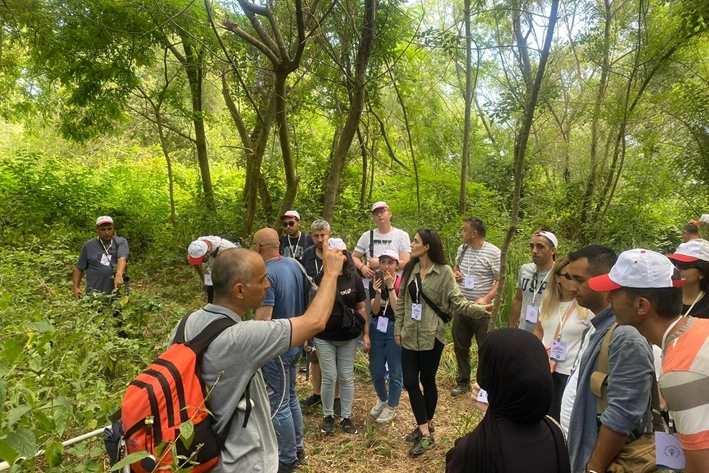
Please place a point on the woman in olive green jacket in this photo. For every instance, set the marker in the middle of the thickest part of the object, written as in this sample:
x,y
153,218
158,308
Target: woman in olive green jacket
x,y
420,328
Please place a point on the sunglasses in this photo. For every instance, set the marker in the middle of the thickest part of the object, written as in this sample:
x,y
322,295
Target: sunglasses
x,y
290,223
566,276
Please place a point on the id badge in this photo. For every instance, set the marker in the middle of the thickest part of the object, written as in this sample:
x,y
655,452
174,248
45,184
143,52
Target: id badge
x,y
382,324
469,282
208,280
532,314
416,310
482,396
106,259
558,351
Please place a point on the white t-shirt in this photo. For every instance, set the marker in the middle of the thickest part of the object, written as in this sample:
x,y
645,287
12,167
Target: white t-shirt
x,y
396,240
569,397
571,333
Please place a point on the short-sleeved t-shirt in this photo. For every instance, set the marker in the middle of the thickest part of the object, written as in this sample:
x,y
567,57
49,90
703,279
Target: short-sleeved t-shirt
x,y
700,309
483,264
99,259
311,262
396,240
571,333
684,382
532,283
287,291
389,312
295,247
352,291
239,353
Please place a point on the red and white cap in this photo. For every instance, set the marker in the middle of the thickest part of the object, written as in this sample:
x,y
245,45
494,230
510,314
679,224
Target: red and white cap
x,y
291,213
638,269
691,251
196,252
379,205
390,254
103,219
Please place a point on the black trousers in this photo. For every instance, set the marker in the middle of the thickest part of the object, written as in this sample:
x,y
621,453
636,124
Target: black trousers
x,y
559,384
464,328
421,367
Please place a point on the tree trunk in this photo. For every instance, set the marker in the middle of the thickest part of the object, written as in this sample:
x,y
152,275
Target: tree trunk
x,y
519,156
286,152
465,161
363,188
357,94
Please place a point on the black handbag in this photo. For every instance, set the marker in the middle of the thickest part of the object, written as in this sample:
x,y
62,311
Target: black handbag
x,y
352,322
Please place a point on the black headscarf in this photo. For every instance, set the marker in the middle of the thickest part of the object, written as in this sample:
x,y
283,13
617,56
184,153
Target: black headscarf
x,y
514,370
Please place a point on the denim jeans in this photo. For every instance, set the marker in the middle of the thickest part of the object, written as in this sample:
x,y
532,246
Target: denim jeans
x,y
336,364
385,351
288,420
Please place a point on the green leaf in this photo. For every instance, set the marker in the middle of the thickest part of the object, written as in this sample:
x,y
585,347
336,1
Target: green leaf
x,y
3,392
7,453
53,453
23,441
187,433
41,327
12,350
132,458
16,414
61,417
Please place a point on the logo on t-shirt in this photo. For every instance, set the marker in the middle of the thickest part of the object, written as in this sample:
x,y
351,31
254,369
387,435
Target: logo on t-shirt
x,y
532,283
382,242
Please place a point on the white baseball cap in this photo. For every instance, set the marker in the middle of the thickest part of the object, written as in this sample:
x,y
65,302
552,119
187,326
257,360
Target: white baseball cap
x,y
549,236
390,254
639,269
291,213
103,219
692,251
196,251
379,205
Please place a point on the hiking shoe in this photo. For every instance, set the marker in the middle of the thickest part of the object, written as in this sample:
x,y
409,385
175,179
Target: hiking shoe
x,y
386,416
328,425
460,390
312,401
337,407
378,408
288,467
300,455
423,444
416,434
348,426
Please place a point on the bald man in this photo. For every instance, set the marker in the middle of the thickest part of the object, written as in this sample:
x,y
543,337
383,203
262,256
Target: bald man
x,y
237,354
285,299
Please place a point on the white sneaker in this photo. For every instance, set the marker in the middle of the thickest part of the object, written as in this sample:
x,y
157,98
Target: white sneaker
x,y
386,416
378,408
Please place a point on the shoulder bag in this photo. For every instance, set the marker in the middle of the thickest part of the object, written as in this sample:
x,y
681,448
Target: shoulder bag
x,y
444,316
352,322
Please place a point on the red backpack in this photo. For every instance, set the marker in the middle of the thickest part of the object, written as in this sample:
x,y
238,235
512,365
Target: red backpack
x,y
166,395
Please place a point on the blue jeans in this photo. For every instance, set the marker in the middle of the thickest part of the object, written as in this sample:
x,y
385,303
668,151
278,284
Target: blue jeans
x,y
385,351
288,420
336,364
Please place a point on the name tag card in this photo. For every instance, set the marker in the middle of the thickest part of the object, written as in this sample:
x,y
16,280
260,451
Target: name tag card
x,y
106,259
382,324
416,310
482,396
207,279
469,282
532,314
668,452
558,351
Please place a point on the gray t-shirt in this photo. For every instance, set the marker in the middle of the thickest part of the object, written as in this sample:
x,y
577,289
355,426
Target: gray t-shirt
x,y
483,264
239,352
532,283
99,259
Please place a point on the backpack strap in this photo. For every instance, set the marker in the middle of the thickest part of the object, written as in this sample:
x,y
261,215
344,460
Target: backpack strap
x,y
444,317
200,343
371,243
460,258
599,383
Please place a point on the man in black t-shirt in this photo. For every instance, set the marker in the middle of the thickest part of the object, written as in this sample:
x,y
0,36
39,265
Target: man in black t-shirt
x,y
294,242
312,257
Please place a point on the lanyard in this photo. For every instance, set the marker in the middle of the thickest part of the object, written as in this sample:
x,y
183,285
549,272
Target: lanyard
x,y
562,322
416,282
297,244
110,245
699,296
480,251
667,332
536,288
317,270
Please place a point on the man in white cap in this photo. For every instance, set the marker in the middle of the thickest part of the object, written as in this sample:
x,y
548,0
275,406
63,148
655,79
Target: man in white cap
x,y
532,281
104,260
644,293
201,254
294,243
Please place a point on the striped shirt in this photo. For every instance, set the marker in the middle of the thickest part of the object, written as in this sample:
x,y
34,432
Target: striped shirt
x,y
483,264
685,382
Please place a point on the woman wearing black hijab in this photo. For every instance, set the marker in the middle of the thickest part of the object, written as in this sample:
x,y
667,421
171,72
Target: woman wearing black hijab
x,y
515,436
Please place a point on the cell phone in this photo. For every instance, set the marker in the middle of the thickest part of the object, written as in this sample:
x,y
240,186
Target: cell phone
x,y
379,274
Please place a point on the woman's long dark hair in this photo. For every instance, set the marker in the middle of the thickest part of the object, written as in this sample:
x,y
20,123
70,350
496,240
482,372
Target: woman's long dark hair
x,y
429,237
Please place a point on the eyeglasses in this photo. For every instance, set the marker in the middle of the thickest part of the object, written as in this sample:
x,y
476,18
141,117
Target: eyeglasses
x,y
290,223
566,276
